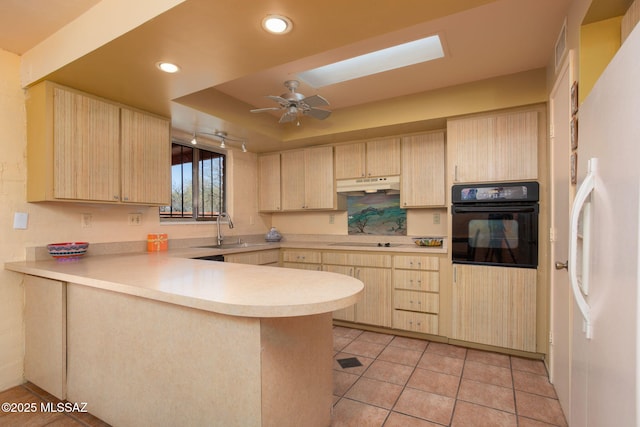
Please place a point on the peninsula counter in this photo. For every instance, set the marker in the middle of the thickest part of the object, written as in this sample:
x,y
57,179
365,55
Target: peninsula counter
x,y
153,339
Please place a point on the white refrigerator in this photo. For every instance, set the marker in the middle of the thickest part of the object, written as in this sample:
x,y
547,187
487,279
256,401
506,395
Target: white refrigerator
x,y
604,252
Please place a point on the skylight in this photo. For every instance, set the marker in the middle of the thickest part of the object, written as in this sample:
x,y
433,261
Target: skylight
x,y
399,56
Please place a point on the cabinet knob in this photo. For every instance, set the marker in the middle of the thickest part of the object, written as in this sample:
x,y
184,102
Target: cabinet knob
x,y
115,197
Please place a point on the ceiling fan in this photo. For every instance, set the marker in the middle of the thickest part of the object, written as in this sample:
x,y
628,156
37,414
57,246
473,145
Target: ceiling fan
x,y
294,104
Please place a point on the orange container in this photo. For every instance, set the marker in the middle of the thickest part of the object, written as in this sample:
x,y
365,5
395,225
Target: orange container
x,y
157,242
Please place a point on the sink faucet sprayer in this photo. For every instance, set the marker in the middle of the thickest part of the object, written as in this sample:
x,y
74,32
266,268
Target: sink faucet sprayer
x,y
220,236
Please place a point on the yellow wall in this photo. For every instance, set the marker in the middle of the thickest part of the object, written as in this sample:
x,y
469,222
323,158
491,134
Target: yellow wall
x,y
599,42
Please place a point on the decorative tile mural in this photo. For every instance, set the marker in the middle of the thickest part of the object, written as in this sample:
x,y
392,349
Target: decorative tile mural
x,y
377,213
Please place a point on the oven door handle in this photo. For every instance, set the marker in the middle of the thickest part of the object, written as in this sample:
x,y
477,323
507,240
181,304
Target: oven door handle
x,y
495,209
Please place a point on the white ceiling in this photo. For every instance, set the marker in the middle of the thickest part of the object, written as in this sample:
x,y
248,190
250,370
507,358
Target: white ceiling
x,y
229,63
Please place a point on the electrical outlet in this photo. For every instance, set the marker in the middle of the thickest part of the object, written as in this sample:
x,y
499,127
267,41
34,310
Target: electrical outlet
x,y
436,218
135,219
332,219
85,220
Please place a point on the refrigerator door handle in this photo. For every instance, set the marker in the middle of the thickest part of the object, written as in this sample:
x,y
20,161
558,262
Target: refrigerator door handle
x,y
582,194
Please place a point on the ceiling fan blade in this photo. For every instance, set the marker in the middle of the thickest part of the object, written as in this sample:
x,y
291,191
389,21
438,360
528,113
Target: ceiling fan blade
x,y
280,100
316,113
261,110
315,101
289,116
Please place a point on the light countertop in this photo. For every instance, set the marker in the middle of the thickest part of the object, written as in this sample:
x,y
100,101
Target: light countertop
x,y
225,288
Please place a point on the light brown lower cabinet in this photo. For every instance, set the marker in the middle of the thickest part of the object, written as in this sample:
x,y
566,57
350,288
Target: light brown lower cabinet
x,y
349,313
416,297
495,306
374,270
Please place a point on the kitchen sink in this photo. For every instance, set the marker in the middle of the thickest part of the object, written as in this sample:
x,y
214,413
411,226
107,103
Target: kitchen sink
x,y
233,245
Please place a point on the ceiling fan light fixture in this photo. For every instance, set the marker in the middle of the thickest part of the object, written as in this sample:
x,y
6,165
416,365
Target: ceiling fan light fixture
x,y
277,24
168,67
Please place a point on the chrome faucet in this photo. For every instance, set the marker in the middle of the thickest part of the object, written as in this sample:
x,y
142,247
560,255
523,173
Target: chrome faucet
x,y
220,236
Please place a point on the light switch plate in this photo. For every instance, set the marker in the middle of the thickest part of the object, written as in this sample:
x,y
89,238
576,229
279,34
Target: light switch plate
x,y
20,220
436,218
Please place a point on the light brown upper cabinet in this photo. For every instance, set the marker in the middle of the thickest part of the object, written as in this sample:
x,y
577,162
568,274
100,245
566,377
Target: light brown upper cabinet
x,y
380,157
269,182
145,152
83,148
495,147
422,181
307,179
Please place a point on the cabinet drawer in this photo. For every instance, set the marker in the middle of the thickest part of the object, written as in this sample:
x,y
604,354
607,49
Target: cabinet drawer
x,y
416,262
364,260
416,301
313,257
256,258
302,266
417,322
417,280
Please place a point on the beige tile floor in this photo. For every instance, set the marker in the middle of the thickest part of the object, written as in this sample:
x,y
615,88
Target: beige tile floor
x,y
402,382
413,383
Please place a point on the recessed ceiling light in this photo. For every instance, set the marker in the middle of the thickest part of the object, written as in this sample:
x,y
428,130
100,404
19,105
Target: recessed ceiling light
x,y
277,24
168,67
399,56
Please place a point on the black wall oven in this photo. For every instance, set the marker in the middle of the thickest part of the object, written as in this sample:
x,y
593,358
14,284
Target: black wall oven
x,y
495,224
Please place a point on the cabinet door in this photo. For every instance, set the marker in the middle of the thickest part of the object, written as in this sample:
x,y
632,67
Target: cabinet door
x,y
495,306
494,148
320,190
422,179
516,146
471,141
375,306
86,148
269,182
146,158
383,157
350,161
349,313
293,180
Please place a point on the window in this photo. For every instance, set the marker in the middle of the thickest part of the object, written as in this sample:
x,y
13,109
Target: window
x,y
197,184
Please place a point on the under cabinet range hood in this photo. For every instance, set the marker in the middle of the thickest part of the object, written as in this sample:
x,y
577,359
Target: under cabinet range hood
x,y
388,184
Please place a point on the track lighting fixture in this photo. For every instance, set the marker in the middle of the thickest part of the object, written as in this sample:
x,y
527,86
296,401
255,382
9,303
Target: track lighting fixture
x,y
223,137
